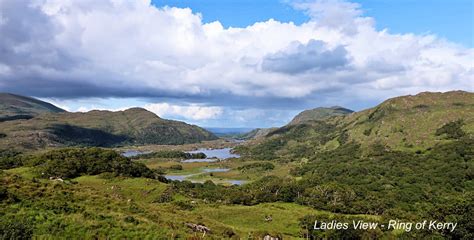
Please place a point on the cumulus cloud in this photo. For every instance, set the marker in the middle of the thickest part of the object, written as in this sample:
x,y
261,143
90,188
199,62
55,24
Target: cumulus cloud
x,y
300,58
115,48
193,112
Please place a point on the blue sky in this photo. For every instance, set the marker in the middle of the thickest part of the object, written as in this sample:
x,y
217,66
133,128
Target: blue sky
x,y
223,63
450,19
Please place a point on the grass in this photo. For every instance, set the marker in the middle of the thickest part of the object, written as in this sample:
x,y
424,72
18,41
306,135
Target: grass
x,y
141,190
26,172
196,169
246,220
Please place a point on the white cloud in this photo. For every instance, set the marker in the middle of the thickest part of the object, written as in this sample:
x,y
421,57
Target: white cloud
x,y
193,112
134,49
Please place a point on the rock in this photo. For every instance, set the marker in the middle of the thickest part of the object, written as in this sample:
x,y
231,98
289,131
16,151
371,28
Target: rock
x,y
268,237
198,228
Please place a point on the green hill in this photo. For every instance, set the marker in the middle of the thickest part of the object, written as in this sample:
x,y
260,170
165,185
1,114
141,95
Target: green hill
x,y
409,158
255,133
412,123
19,107
319,113
343,168
94,128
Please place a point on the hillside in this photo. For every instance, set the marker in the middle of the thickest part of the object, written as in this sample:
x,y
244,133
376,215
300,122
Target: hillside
x,y
410,157
412,123
19,107
96,128
318,170
319,113
256,133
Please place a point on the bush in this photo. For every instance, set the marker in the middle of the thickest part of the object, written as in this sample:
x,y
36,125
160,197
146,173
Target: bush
x,y
176,167
263,166
74,162
130,219
452,130
183,205
10,159
16,227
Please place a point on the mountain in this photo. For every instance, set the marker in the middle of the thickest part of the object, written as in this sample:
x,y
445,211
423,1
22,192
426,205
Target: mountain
x,y
228,132
408,123
319,113
412,122
256,133
19,107
94,128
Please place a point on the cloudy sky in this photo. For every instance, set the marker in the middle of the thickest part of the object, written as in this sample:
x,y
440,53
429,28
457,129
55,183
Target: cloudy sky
x,y
233,63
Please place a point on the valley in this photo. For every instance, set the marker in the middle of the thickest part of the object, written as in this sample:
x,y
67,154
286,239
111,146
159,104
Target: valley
x,y
407,159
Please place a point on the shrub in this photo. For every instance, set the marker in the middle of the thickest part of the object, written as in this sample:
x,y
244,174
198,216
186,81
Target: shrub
x,y
74,162
263,166
452,130
183,205
10,159
16,227
130,219
176,167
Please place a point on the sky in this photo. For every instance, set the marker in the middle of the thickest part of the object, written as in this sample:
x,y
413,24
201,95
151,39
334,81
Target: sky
x,y
233,63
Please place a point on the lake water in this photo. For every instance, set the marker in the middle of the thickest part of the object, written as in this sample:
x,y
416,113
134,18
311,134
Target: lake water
x,y
133,153
211,170
236,182
205,170
200,160
213,155
185,177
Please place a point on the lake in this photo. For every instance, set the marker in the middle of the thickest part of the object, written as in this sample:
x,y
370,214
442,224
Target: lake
x,y
205,170
213,155
133,153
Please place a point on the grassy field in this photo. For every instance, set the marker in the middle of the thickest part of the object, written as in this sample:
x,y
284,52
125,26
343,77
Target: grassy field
x,y
99,207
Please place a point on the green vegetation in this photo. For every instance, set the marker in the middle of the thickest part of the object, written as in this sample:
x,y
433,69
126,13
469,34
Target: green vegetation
x,y
254,134
99,128
13,107
399,123
452,130
320,113
10,159
258,166
410,159
176,167
171,154
71,163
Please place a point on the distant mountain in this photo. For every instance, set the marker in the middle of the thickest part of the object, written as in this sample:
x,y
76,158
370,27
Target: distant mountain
x,y
222,132
241,133
19,107
319,113
407,123
256,133
94,128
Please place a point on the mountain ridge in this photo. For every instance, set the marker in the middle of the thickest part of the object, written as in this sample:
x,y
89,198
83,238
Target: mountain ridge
x,y
409,123
97,128
319,113
13,106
